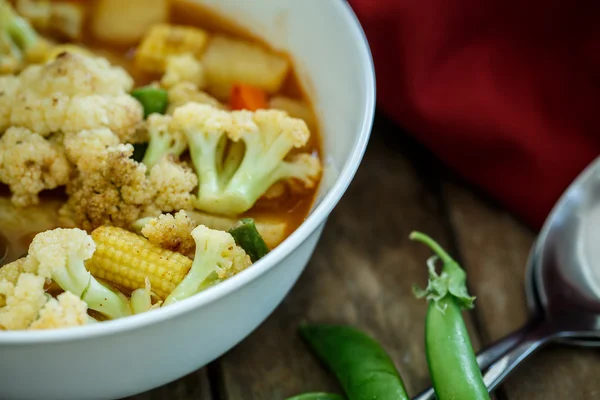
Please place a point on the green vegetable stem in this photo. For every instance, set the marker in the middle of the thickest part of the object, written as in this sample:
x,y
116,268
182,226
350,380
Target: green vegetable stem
x,y
247,237
450,357
360,364
153,99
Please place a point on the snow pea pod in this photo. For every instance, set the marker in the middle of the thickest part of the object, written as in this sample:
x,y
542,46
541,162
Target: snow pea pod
x,y
362,367
450,356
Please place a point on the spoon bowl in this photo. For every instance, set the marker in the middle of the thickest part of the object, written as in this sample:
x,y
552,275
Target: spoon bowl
x,y
562,281
562,285
565,273
536,309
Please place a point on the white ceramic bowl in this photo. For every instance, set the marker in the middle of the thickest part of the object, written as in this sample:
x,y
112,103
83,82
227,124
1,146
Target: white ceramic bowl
x,y
124,357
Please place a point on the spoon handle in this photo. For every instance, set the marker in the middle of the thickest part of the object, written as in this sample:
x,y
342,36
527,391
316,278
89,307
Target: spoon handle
x,y
533,341
490,354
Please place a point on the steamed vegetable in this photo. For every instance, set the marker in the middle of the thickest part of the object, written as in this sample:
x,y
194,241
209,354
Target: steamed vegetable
x,y
72,93
126,259
230,182
164,40
60,255
450,357
272,229
247,97
183,68
247,237
164,140
141,299
172,232
228,61
29,164
64,19
186,92
217,258
152,99
110,188
25,305
125,22
18,40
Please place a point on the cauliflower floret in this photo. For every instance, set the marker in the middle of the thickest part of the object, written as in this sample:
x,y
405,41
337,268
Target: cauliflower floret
x,y
23,301
118,190
141,299
183,68
27,306
217,258
11,272
66,310
19,42
29,164
8,88
172,232
172,183
60,255
88,149
187,92
58,18
72,93
114,193
164,140
258,155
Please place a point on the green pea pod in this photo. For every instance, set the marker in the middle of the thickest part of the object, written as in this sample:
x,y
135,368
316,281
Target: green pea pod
x,y
317,396
450,356
153,99
360,364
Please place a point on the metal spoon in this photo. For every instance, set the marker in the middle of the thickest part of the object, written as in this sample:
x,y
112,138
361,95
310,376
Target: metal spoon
x,y
564,273
537,310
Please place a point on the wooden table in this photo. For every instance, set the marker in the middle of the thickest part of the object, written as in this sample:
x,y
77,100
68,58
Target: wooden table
x,y
361,274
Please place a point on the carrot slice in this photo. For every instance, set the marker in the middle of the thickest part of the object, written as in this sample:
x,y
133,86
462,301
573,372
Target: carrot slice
x,y
247,97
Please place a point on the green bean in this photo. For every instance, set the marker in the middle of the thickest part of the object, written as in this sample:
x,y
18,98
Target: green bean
x,y
360,364
317,396
247,237
450,356
153,99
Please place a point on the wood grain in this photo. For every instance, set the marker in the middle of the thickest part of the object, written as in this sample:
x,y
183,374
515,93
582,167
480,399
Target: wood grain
x,y
361,274
494,250
194,386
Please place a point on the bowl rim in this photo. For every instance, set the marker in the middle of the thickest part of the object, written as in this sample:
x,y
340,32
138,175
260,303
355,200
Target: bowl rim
x,y
318,215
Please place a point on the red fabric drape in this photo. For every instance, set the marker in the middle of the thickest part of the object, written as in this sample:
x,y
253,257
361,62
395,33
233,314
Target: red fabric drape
x,y
506,93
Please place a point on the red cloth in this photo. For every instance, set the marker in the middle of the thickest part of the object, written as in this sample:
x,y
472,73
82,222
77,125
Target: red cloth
x,y
506,93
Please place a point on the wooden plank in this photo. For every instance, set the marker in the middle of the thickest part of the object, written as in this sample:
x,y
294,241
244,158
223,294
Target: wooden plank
x,y
494,249
194,386
361,274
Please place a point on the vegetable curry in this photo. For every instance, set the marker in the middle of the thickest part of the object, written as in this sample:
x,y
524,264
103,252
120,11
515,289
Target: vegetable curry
x,y
149,149
288,210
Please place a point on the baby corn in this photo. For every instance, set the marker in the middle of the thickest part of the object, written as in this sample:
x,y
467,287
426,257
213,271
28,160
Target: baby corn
x,y
165,40
126,259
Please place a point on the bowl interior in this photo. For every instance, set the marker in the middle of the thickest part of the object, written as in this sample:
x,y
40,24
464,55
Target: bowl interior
x,y
333,61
